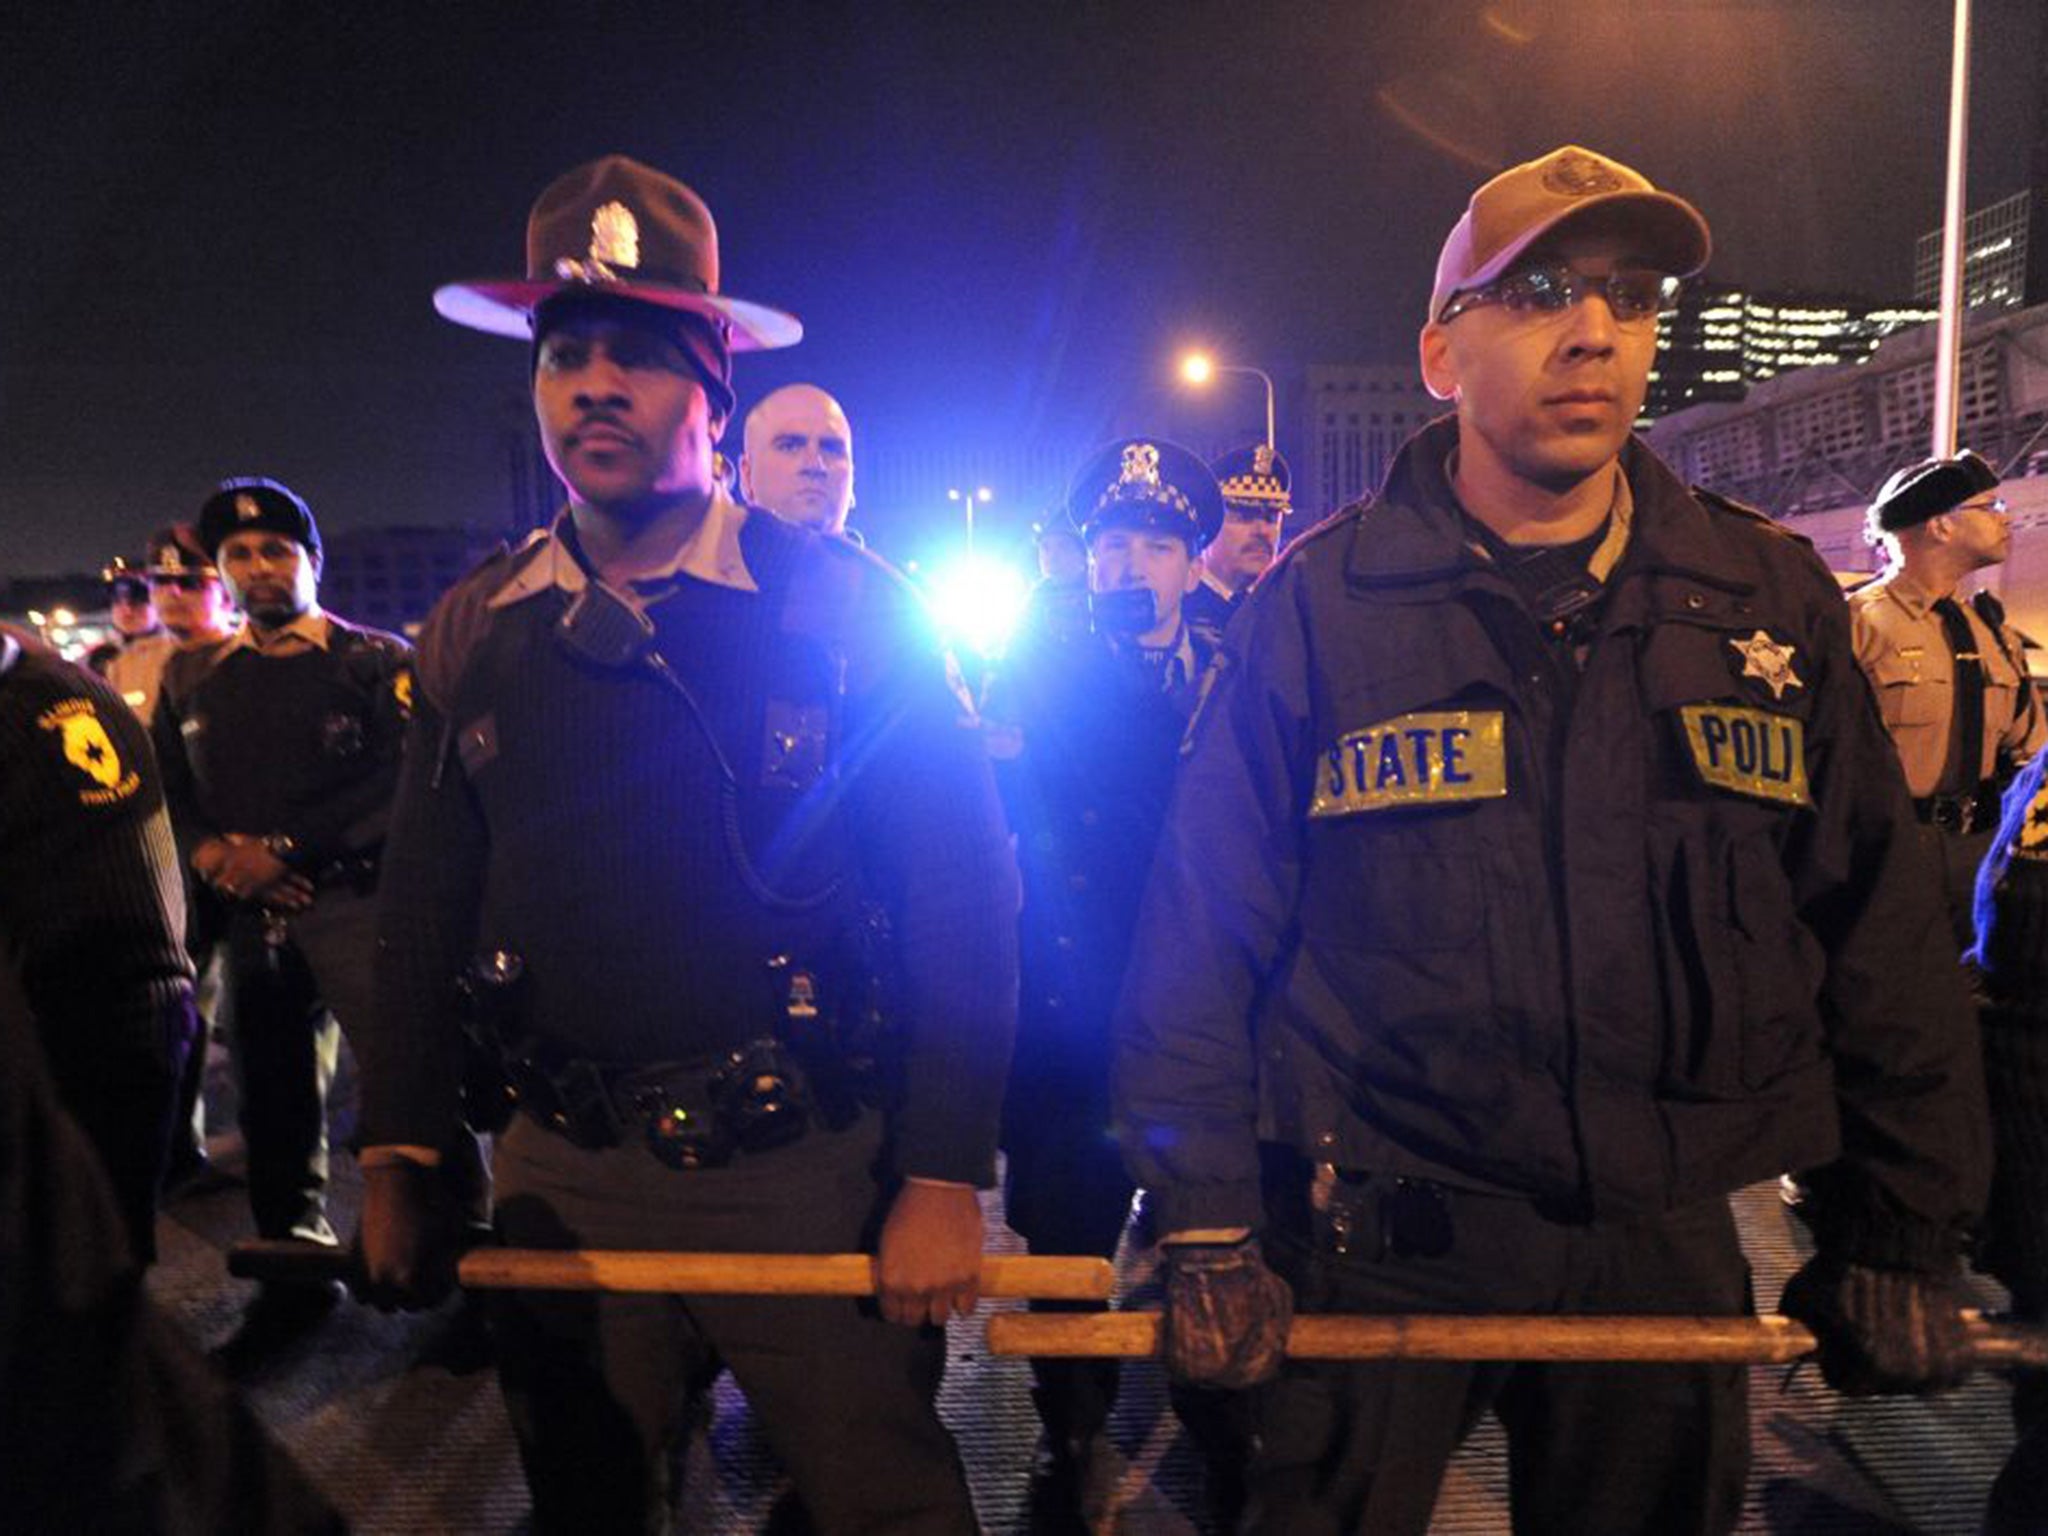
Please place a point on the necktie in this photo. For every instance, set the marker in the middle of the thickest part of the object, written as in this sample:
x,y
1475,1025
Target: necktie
x,y
1966,724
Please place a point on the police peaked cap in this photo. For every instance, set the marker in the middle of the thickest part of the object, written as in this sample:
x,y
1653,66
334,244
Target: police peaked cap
x,y
175,550
259,505
1149,483
1257,476
1930,488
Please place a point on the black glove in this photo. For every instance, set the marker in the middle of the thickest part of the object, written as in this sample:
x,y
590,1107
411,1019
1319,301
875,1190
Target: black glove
x,y
1881,1330
1226,1314
411,1236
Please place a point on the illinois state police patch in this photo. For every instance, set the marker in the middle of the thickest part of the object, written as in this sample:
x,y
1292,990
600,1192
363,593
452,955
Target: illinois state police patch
x,y
88,748
1750,751
1433,757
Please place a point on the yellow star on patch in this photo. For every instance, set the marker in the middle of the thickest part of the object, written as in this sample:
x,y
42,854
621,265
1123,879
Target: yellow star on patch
x,y
1765,658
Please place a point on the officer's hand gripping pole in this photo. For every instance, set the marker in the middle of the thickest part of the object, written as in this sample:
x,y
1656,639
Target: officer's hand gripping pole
x,y
1704,1340
1051,1278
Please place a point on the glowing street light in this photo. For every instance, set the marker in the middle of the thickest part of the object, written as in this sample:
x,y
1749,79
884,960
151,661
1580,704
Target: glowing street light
x,y
1198,368
967,499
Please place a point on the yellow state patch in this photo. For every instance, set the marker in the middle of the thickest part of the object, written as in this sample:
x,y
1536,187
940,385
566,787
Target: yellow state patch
x,y
1750,751
1434,757
88,748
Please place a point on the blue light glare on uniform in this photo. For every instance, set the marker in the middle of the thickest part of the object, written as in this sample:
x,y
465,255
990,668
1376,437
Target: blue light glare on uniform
x,y
977,602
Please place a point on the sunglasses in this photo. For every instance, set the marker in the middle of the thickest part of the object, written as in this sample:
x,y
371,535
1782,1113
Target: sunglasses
x,y
184,581
1633,295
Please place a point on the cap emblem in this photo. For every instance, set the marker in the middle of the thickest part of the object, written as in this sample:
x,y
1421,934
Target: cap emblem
x,y
614,242
1262,459
1141,466
246,509
1577,174
172,558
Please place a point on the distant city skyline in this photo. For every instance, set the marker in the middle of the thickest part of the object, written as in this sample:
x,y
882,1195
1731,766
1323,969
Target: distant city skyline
x,y
1001,227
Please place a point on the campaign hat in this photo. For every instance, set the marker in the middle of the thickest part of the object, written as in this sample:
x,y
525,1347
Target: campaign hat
x,y
1147,482
1255,476
252,503
617,227
1929,488
1526,202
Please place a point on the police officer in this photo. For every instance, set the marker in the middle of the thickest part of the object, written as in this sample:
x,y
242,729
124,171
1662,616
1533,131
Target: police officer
x,y
280,750
92,916
1540,874
798,459
1095,727
2011,956
192,607
687,763
1950,676
1257,499
129,610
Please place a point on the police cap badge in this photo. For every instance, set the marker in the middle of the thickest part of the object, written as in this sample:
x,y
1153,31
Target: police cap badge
x,y
254,503
1147,482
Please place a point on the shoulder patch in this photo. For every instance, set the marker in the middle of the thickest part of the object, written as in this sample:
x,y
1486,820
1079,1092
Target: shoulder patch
x,y
80,738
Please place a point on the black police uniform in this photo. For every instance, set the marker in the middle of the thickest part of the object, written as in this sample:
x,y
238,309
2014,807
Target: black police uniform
x,y
302,748
2012,959
684,831
1099,721
1511,949
91,915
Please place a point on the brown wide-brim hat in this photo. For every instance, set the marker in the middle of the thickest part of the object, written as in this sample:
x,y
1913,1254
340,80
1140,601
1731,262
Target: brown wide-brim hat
x,y
623,229
1526,202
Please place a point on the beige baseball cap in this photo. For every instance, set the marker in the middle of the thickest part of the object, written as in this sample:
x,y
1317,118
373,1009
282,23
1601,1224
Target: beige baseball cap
x,y
1522,204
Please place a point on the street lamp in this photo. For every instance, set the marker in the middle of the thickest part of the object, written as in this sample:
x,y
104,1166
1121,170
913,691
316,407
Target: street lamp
x,y
967,499
1198,368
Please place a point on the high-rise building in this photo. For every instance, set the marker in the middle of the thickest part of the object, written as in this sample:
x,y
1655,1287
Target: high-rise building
x,y
1359,414
390,577
1723,339
1996,239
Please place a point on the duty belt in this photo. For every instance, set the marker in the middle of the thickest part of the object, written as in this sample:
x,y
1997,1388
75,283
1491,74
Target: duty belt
x,y
1976,811
689,1114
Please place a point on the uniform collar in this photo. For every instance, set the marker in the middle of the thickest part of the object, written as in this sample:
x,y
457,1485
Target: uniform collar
x,y
1906,592
715,553
1209,580
1412,535
311,628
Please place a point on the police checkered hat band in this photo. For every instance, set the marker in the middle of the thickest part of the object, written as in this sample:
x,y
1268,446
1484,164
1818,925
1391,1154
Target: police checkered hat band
x,y
1255,476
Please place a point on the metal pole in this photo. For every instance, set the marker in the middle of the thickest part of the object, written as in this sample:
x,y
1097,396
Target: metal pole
x,y
1948,344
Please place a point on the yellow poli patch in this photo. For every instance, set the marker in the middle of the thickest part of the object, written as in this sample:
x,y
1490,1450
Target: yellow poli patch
x,y
1750,751
86,746
1433,757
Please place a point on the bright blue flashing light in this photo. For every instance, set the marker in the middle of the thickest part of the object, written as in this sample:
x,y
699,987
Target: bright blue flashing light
x,y
978,601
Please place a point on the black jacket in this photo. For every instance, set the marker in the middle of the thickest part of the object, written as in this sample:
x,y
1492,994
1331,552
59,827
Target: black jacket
x,y
1432,904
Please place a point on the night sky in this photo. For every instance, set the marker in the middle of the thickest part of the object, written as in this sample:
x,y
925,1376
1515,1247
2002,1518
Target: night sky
x,y
999,223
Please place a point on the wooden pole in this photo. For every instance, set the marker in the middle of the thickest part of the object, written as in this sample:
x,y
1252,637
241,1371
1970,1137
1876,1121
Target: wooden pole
x,y
1729,1340
1052,1278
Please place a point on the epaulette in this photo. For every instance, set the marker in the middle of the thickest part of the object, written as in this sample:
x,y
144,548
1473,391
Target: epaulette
x,y
459,619
1715,501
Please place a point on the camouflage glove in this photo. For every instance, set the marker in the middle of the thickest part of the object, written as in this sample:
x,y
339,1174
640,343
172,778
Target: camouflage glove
x,y
1226,1314
1880,1330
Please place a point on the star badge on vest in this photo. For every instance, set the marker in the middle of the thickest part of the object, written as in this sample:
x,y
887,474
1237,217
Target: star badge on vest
x,y
1765,658
1752,752
88,748
1431,757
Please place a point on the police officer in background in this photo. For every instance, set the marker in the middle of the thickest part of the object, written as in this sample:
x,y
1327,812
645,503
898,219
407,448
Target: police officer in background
x,y
798,458
191,604
280,749
1540,875
1950,675
129,610
1257,499
700,773
1095,725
